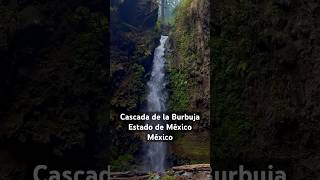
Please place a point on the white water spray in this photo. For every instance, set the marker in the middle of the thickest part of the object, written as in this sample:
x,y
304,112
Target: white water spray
x,y
156,102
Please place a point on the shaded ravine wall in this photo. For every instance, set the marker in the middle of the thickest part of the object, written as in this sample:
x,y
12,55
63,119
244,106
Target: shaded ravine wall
x,y
134,36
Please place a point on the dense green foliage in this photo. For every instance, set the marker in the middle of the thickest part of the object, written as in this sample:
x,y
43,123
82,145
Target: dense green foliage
x,y
179,99
189,59
264,74
188,73
184,30
54,91
229,101
237,59
178,75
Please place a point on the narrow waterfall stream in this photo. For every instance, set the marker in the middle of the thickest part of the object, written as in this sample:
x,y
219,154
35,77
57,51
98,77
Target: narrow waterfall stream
x,y
156,102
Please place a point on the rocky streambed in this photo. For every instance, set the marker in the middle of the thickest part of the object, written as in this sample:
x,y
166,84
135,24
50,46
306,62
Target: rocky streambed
x,y
185,172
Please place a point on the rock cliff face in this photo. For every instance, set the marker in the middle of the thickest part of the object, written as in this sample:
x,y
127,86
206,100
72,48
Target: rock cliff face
x,y
200,17
189,74
189,60
265,63
134,37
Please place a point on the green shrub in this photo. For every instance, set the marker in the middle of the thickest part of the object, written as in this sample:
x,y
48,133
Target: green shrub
x,y
178,86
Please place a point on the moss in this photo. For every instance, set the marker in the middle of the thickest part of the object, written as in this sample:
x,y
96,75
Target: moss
x,y
188,77
169,177
183,29
194,147
178,83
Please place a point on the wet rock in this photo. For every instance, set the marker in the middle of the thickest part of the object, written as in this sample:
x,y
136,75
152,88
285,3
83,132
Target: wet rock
x,y
194,171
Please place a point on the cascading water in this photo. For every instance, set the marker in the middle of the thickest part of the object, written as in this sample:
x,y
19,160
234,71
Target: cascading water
x,y
156,102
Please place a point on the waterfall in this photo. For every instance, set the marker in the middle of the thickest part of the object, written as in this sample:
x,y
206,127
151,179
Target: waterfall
x,y
156,102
